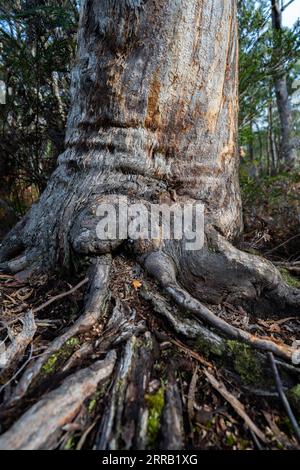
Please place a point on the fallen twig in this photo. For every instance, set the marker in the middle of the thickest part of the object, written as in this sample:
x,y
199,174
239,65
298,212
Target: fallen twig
x,y
283,397
191,397
236,405
49,302
192,353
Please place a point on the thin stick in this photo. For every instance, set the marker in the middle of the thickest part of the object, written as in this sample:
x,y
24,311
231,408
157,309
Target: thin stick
x,y
236,405
60,296
192,353
256,441
46,304
287,5
184,299
283,397
282,244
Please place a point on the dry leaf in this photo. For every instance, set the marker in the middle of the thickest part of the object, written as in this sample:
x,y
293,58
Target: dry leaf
x,y
136,284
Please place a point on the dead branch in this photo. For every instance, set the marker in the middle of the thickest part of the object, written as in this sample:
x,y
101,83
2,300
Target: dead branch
x,y
61,296
99,278
41,425
172,420
236,405
283,397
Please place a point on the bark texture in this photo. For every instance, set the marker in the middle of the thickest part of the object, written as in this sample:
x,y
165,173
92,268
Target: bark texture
x,y
153,118
287,151
153,114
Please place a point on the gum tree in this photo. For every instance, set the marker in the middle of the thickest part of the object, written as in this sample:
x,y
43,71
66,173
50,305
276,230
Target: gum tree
x,y
153,117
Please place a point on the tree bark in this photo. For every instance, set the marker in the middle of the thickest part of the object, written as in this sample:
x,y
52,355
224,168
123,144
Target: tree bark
x,y
153,117
287,152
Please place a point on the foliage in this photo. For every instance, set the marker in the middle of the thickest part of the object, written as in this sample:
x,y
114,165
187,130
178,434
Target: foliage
x,y
265,55
37,47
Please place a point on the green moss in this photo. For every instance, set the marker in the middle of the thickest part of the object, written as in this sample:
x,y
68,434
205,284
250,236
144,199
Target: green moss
x,y
70,443
252,251
155,405
93,401
230,439
286,425
92,404
294,397
245,362
206,347
50,366
60,356
289,279
72,342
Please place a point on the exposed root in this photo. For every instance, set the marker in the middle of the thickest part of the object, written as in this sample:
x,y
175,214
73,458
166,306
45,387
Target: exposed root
x,y
121,326
41,425
127,404
190,328
132,416
172,418
15,351
162,267
98,290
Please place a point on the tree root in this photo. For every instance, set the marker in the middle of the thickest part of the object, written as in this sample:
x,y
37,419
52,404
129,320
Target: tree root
x,y
94,309
189,328
131,419
162,267
127,403
15,351
41,425
172,418
284,399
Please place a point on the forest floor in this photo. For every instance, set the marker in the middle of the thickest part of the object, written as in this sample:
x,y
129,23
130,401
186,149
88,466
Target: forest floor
x,y
272,228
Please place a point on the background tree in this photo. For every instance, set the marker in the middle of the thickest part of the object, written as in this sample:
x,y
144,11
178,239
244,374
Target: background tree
x,y
153,117
282,96
260,67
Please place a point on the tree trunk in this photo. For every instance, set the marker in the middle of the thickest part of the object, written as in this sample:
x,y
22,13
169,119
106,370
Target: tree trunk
x,y
271,139
153,117
287,152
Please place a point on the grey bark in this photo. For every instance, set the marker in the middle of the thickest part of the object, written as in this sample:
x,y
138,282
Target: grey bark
x,y
287,151
153,117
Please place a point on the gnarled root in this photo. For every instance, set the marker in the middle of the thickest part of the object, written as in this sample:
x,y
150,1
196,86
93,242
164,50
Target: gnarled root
x,y
94,309
140,411
41,426
163,268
